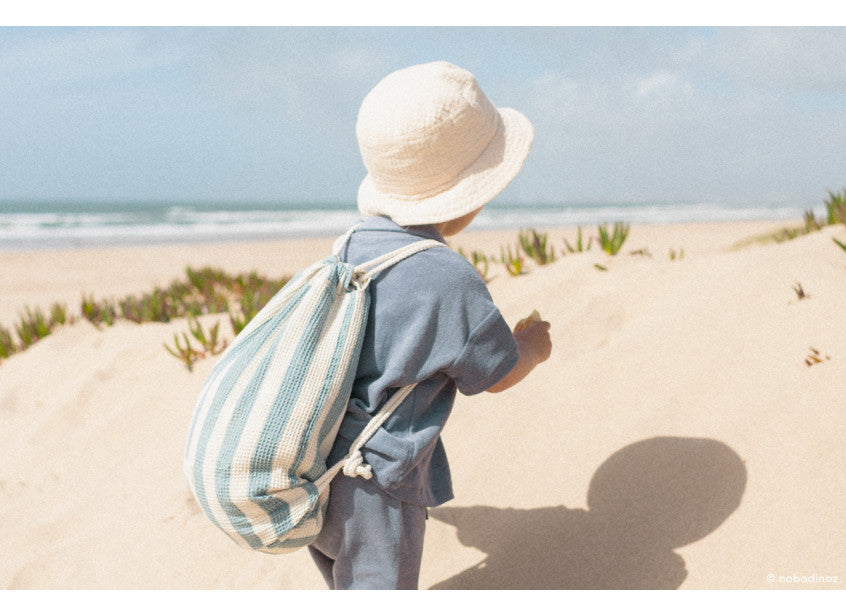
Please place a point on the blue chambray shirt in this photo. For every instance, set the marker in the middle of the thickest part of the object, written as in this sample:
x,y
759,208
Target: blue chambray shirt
x,y
431,321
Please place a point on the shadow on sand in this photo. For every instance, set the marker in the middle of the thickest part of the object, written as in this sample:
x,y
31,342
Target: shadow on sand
x,y
644,501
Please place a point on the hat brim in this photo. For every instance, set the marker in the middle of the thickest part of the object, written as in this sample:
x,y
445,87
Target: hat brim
x,y
478,184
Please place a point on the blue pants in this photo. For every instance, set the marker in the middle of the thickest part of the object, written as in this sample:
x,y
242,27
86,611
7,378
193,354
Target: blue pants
x,y
369,539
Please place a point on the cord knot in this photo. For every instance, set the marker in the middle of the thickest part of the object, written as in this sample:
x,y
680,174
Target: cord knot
x,y
355,466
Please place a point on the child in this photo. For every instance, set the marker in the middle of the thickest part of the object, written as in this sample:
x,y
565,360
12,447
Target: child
x,y
436,150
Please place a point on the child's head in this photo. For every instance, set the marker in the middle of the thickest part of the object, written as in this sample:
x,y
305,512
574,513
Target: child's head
x,y
435,148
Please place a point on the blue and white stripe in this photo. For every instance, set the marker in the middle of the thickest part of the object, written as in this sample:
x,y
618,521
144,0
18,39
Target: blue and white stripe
x,y
269,412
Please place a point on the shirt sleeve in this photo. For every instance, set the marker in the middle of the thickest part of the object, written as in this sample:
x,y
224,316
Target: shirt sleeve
x,y
433,314
488,355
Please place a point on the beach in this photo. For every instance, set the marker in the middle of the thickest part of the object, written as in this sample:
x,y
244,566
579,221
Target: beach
x,y
687,431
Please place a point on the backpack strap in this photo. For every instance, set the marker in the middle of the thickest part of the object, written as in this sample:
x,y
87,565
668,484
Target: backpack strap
x,y
371,268
341,241
353,464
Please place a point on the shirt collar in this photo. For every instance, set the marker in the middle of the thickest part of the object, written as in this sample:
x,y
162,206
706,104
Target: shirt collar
x,y
382,223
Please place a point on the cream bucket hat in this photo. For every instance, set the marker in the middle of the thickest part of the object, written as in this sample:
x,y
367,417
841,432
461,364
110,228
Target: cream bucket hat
x,y
434,146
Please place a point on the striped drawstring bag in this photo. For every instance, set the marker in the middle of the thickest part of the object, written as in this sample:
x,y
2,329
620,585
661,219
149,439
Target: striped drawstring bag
x,y
269,412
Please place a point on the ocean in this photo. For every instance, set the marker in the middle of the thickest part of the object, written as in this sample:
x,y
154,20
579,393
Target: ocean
x,y
54,225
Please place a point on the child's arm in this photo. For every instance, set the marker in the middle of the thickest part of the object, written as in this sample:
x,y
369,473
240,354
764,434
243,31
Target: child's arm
x,y
534,346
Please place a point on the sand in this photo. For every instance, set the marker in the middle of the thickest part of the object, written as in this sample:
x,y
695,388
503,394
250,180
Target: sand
x,y
676,438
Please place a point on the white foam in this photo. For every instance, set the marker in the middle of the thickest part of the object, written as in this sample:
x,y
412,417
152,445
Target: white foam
x,y
150,224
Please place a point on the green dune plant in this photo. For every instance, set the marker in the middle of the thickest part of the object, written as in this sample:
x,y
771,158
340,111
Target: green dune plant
x,y
835,213
536,246
481,263
514,262
159,305
580,245
250,303
34,324
811,222
7,344
213,291
99,312
205,281
210,289
835,207
184,352
611,242
239,320
59,315
204,291
208,341
207,291
132,309
842,245
255,292
261,289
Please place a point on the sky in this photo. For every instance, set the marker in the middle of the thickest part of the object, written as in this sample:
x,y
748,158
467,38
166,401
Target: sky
x,y
670,114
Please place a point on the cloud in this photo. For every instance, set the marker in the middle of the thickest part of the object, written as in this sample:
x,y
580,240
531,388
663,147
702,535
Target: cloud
x,y
663,81
618,112
314,78
688,122
798,59
553,97
46,59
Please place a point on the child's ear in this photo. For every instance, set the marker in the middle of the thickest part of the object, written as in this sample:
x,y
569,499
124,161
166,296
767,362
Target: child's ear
x,y
453,227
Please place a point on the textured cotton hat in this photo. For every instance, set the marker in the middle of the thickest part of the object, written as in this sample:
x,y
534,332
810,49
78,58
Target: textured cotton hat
x,y
434,146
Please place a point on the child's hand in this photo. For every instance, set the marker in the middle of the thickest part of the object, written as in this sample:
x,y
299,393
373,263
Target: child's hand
x,y
527,321
534,345
532,336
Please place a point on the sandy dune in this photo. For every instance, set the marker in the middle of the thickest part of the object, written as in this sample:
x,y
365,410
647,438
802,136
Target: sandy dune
x,y
676,438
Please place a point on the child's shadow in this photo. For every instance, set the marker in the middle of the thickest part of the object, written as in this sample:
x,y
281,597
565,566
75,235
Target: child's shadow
x,y
644,501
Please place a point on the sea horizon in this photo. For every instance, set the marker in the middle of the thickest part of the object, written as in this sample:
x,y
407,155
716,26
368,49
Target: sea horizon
x,y
36,225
